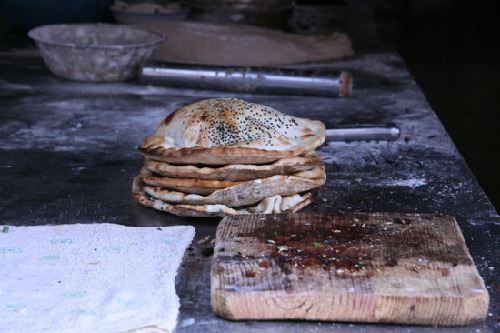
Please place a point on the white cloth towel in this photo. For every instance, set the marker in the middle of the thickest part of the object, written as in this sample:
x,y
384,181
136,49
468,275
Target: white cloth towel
x,y
90,277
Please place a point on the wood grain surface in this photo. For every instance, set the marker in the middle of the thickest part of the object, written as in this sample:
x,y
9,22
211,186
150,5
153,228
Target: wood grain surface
x,y
378,267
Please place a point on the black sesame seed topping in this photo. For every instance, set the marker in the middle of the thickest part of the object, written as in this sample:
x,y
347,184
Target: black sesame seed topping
x,y
230,121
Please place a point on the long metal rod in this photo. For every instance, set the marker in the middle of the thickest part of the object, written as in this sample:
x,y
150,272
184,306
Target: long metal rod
x,y
363,133
249,79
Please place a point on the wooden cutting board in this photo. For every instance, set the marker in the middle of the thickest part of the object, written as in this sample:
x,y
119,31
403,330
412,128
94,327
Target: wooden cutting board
x,y
386,268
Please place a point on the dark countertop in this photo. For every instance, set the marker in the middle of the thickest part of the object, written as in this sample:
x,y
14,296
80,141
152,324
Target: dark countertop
x,y
68,155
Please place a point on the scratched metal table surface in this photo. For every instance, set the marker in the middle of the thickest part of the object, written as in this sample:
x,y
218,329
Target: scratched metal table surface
x,y
68,155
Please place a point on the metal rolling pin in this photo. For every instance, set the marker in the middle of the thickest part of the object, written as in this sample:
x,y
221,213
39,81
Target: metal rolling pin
x,y
249,80
388,133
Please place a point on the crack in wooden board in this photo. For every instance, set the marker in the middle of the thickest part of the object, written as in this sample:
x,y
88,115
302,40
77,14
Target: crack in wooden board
x,y
377,267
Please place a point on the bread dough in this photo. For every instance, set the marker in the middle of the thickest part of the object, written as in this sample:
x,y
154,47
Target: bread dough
x,y
244,45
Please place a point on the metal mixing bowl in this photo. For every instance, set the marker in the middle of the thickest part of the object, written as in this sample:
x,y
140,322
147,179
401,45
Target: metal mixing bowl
x,y
95,52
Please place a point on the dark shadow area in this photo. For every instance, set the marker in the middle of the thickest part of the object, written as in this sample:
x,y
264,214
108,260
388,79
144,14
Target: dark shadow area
x,y
452,50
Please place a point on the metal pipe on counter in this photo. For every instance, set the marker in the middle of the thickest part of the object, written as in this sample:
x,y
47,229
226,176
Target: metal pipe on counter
x,y
388,133
249,80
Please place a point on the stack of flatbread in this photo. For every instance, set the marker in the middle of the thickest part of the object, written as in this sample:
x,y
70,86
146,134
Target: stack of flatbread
x,y
226,156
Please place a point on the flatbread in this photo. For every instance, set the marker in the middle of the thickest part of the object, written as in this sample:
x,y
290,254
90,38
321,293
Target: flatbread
x,y
262,187
246,193
275,204
236,172
225,131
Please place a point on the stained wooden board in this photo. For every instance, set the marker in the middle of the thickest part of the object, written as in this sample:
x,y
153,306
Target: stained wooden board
x,y
386,268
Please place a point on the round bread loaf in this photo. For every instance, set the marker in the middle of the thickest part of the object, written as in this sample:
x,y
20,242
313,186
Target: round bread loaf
x,y
225,131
